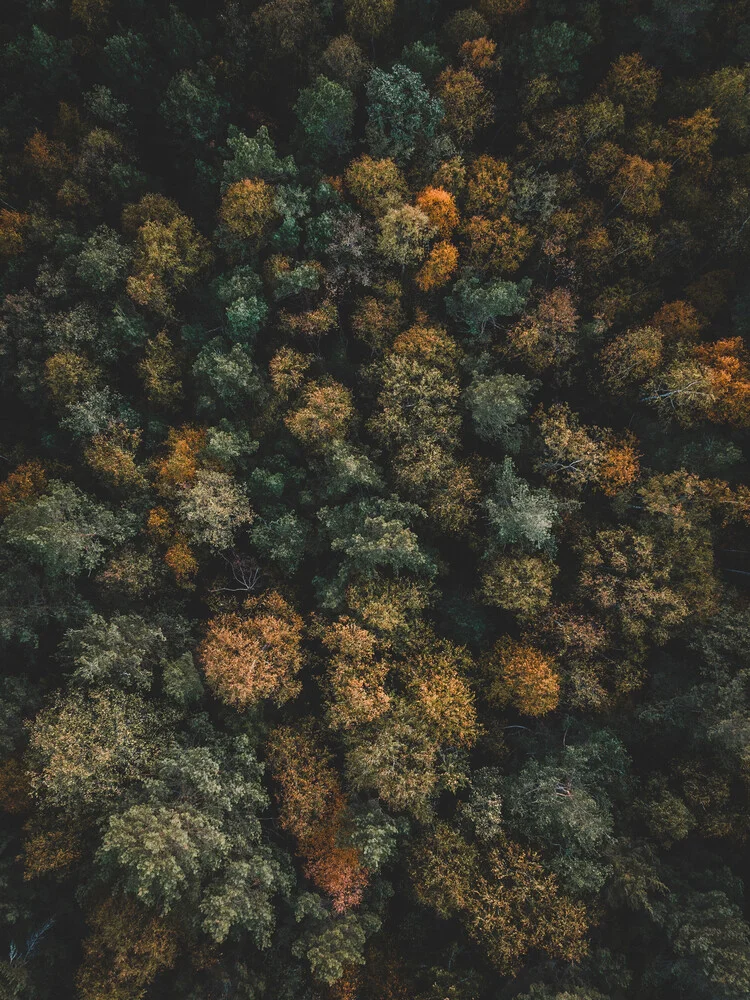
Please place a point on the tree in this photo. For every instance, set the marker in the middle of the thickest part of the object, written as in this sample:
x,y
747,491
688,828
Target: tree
x,y
375,533
196,836
401,115
120,651
440,208
356,675
255,158
488,186
404,235
555,48
633,83
580,455
466,102
521,584
399,758
518,513
104,260
255,655
213,508
85,748
566,806
497,403
639,184
547,336
313,810
192,106
326,116
324,415
369,18
126,949
438,268
496,245
523,676
377,185
248,209
449,875
287,28
169,252
64,532
345,62
478,306
161,371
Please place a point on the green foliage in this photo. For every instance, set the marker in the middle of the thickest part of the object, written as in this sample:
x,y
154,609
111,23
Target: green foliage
x,y
65,532
478,306
402,117
326,116
519,514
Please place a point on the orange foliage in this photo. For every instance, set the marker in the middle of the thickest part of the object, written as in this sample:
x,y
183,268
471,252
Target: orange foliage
x,y
479,54
313,810
180,559
179,466
439,267
254,656
26,483
334,867
347,987
46,156
523,676
355,675
619,466
440,208
159,524
679,320
729,378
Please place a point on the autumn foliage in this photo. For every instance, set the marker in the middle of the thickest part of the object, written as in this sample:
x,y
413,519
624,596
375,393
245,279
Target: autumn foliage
x,y
256,654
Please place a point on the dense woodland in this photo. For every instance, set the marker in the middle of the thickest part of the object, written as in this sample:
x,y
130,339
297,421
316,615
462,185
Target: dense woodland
x,y
374,504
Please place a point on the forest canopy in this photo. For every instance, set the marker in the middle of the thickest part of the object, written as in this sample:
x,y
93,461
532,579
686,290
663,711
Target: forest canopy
x,y
374,504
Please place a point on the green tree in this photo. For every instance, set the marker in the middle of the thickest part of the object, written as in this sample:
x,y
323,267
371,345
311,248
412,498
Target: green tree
x,y
402,117
326,117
